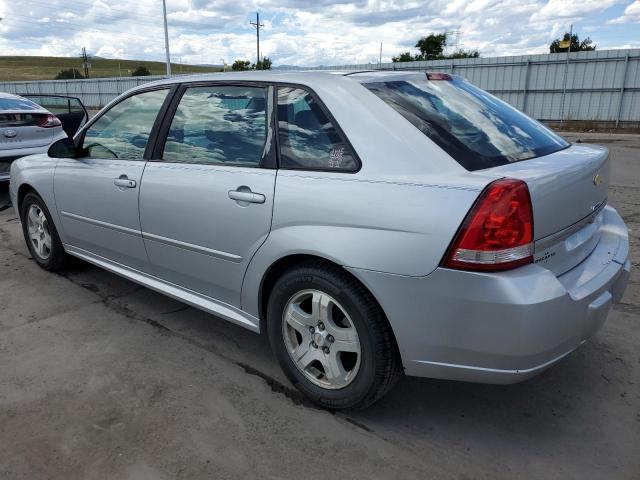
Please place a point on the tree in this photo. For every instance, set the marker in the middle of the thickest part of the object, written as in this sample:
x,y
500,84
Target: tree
x,y
464,54
140,72
241,65
264,64
432,46
576,44
403,57
68,74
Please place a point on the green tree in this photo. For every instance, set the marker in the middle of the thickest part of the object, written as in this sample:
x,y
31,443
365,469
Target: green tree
x,y
432,46
241,65
71,73
403,57
140,72
264,64
464,54
576,44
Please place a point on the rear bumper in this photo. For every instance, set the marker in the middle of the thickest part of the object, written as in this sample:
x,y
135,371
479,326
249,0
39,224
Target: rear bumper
x,y
502,327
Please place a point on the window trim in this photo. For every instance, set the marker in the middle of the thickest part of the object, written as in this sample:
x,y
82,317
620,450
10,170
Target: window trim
x,y
171,91
267,160
331,118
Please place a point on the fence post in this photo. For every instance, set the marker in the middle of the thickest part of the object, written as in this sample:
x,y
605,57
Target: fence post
x,y
526,86
624,79
564,89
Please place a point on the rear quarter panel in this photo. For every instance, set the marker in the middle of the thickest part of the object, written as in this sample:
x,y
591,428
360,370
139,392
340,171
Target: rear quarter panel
x,y
399,228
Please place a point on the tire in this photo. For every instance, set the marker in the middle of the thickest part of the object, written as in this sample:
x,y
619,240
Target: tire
x,y
332,375
51,257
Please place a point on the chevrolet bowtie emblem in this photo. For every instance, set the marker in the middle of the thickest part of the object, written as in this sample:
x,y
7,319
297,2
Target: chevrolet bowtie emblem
x,y
597,180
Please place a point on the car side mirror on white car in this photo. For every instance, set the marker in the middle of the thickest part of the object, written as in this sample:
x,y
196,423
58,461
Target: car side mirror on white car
x,y
63,148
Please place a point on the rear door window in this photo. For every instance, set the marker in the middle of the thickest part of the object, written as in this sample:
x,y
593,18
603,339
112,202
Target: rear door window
x,y
308,138
219,125
477,129
18,104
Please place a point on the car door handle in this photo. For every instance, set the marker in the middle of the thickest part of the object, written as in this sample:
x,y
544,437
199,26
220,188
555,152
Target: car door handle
x,y
124,182
246,196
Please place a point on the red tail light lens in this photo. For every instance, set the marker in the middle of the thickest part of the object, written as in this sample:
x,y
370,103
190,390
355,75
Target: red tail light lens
x,y
438,76
497,233
49,121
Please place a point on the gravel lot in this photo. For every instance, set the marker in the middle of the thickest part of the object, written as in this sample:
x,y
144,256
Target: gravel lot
x,y
100,378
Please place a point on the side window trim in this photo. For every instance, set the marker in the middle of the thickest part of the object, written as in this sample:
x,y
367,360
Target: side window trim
x,y
334,123
269,158
171,90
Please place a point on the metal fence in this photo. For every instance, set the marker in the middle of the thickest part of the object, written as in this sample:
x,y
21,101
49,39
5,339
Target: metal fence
x,y
601,86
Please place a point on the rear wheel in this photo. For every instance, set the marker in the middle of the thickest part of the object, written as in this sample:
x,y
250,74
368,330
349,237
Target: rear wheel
x,y
331,337
41,235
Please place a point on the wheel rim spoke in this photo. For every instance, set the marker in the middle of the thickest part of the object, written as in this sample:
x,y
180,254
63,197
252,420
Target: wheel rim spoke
x,y
306,355
41,249
298,319
320,306
33,216
334,370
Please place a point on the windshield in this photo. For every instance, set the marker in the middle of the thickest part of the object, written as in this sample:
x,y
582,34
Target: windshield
x,y
477,129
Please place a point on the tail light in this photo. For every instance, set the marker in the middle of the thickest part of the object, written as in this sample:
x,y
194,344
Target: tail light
x,y
438,76
49,121
497,233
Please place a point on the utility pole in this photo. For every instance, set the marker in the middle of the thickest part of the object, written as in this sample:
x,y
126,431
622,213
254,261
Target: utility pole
x,y
380,62
166,37
85,62
257,24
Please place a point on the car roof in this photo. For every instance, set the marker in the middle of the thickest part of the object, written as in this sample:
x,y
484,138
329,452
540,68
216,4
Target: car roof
x,y
303,77
9,95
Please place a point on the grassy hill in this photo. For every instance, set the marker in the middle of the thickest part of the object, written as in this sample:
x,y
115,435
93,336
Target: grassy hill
x,y
46,68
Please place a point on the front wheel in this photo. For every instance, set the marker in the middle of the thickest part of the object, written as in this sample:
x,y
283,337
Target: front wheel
x,y
41,235
331,337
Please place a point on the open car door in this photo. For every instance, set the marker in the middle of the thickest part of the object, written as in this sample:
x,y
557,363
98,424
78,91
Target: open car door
x,y
70,110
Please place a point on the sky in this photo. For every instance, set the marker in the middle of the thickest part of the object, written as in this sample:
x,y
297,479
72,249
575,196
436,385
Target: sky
x,y
305,32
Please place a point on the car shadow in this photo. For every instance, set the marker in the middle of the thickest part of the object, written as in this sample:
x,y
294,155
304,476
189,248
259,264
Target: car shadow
x,y
566,400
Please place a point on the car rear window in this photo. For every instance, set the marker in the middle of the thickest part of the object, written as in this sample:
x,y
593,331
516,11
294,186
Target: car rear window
x,y
477,129
18,104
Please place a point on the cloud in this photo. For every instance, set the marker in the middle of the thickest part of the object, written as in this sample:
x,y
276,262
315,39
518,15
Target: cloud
x,y
573,8
631,14
296,32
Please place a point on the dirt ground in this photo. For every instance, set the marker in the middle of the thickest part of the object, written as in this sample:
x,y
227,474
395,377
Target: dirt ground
x,y
101,378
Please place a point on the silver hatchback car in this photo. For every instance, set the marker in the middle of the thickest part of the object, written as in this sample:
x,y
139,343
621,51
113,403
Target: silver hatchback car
x,y
373,223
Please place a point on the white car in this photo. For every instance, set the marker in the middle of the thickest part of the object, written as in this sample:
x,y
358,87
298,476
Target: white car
x,y
27,127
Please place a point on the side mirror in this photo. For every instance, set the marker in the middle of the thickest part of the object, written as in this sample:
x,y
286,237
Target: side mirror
x,y
63,148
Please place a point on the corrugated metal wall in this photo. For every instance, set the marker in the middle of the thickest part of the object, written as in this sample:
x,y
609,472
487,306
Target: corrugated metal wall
x,y
601,86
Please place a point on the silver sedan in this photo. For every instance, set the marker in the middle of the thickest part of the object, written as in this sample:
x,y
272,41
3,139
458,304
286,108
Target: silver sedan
x,y
373,224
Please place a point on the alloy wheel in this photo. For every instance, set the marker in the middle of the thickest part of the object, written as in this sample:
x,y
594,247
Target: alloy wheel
x,y
39,234
321,339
